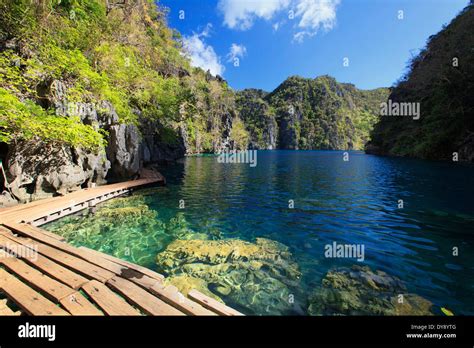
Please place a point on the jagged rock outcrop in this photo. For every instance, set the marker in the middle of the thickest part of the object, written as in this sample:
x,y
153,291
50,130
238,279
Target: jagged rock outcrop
x,y
38,170
154,148
123,151
360,291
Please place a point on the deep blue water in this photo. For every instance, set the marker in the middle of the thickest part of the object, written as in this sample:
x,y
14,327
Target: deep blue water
x,y
353,202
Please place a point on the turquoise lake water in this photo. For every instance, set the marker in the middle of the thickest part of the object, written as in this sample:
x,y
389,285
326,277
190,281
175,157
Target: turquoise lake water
x,y
353,202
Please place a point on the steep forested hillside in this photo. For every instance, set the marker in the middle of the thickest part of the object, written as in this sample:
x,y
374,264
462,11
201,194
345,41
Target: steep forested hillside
x,y
315,113
441,79
101,88
91,91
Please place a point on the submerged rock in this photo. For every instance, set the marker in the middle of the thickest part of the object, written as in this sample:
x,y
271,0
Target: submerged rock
x,y
258,276
140,211
360,291
186,283
125,227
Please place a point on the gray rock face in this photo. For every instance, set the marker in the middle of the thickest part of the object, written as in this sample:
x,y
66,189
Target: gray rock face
x,y
224,143
100,114
37,170
123,151
288,134
154,149
260,121
7,200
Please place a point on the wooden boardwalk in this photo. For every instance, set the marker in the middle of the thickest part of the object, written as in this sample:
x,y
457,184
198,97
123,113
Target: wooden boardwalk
x,y
41,274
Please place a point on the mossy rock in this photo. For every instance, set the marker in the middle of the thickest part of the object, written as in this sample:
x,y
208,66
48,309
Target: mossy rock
x,y
259,275
360,291
186,283
126,213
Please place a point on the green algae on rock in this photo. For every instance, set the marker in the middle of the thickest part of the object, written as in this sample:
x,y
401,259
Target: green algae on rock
x,y
360,291
258,276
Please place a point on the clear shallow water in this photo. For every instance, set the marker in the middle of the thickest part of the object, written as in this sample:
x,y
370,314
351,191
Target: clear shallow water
x,y
352,202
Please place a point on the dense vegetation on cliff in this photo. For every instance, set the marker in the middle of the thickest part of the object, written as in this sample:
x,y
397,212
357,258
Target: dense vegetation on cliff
x,y
121,52
315,113
441,79
124,53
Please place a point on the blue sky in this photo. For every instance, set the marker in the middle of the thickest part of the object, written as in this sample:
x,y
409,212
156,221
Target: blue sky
x,y
364,42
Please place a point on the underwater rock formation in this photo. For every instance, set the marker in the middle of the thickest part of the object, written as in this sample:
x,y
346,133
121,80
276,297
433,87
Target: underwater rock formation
x,y
259,276
186,283
126,228
360,291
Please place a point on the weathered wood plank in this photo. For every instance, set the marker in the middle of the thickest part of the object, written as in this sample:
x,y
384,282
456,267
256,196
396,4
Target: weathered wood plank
x,y
5,310
36,210
48,233
212,304
51,288
141,298
80,266
172,296
107,300
26,298
150,273
89,255
42,263
57,265
77,304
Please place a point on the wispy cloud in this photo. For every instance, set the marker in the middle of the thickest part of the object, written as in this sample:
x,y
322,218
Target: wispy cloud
x,y
241,14
314,14
202,54
310,15
236,51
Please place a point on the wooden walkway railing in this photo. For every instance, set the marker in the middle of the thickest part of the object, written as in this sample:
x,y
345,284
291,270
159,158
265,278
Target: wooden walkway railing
x,y
41,274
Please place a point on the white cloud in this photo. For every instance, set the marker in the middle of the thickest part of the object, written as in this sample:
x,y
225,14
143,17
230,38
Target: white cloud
x,y
201,54
206,32
236,51
311,15
314,14
240,14
299,36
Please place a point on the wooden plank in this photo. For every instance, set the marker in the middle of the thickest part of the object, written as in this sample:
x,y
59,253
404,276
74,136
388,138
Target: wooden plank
x,y
141,298
212,304
26,298
51,288
48,233
172,296
5,310
146,271
85,254
38,209
107,300
42,263
90,256
78,265
77,304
